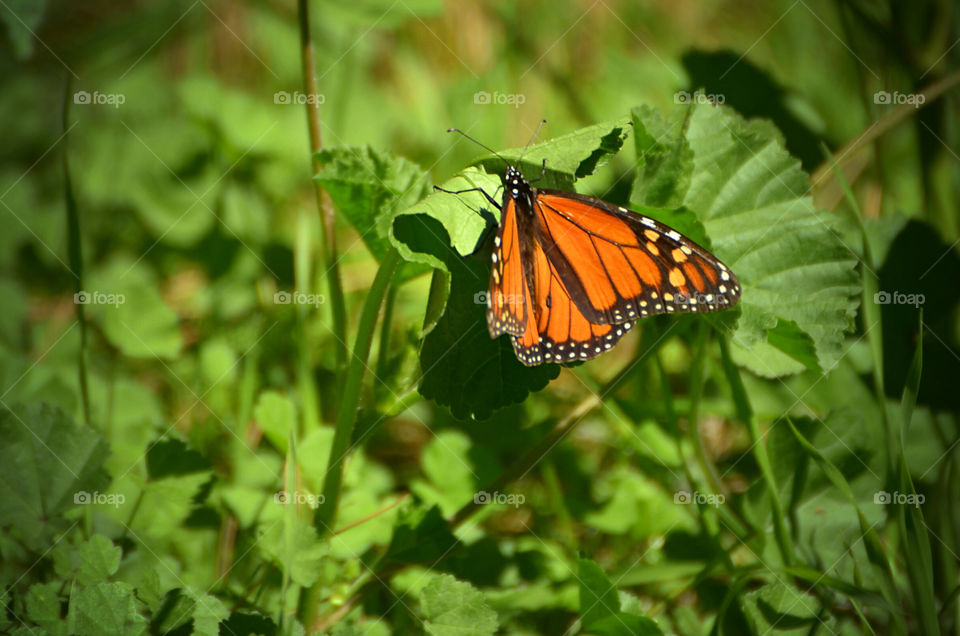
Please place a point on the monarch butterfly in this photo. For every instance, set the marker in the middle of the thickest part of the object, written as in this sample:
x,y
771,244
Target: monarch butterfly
x,y
571,273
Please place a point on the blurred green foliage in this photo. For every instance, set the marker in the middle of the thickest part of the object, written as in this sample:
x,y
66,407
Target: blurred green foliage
x,y
171,392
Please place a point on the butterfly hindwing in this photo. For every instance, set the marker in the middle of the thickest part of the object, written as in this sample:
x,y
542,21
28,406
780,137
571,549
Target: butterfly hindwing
x,y
560,332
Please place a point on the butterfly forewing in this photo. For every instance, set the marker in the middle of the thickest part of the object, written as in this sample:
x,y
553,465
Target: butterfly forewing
x,y
507,305
620,265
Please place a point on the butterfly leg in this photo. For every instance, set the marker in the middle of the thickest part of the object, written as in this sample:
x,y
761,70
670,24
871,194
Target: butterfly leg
x,y
480,190
543,171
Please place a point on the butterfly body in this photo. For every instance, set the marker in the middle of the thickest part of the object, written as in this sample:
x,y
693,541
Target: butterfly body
x,y
571,274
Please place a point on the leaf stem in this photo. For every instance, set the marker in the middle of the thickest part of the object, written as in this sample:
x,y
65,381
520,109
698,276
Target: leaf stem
x,y
327,228
346,414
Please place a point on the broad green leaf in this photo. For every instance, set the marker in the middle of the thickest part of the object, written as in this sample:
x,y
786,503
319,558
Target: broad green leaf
x,y
798,277
598,596
463,369
107,609
783,609
277,416
600,610
449,470
369,188
99,560
43,606
302,555
455,608
171,457
421,535
47,465
125,301
570,156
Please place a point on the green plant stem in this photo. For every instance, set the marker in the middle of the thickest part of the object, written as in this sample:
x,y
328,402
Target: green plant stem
x,y
327,227
347,411
745,413
696,391
75,258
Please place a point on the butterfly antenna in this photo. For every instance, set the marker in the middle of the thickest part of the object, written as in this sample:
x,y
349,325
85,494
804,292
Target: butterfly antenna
x,y
535,133
482,145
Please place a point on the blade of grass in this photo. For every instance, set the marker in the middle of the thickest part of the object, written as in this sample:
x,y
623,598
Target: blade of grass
x,y
914,535
874,546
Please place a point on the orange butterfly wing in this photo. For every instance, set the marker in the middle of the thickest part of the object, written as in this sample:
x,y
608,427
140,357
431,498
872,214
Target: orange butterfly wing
x,y
569,281
620,266
507,306
560,331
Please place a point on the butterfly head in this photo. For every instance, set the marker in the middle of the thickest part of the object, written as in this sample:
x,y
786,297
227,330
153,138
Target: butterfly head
x,y
517,188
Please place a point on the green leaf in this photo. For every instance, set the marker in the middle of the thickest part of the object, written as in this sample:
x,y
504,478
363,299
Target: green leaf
x,y
369,187
447,466
600,611
664,159
463,368
455,608
124,300
276,415
172,457
107,609
598,596
99,560
784,609
798,277
444,226
46,462
302,555
23,19
43,605
421,535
